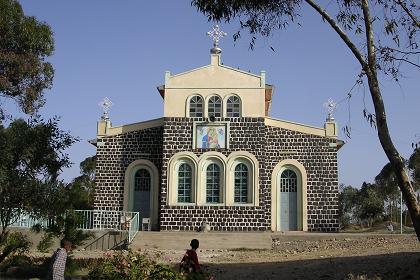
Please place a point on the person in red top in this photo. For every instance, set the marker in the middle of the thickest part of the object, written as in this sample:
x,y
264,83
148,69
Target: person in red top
x,y
189,262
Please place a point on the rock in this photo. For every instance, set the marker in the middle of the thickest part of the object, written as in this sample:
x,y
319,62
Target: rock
x,y
205,227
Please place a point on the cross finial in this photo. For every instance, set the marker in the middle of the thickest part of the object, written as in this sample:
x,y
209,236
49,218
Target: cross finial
x,y
105,105
216,34
330,105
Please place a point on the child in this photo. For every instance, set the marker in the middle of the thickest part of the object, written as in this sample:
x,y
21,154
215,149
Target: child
x,y
189,262
58,261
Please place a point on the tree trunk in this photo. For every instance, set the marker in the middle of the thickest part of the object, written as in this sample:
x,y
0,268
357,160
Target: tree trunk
x,y
390,210
391,152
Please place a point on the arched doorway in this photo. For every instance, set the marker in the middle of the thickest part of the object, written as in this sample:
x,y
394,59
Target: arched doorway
x,y
288,184
289,196
141,189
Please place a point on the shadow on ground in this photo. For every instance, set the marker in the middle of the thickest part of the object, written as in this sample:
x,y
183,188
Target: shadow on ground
x,y
390,266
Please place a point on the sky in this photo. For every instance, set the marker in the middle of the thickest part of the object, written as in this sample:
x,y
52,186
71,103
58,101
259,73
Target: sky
x,y
121,49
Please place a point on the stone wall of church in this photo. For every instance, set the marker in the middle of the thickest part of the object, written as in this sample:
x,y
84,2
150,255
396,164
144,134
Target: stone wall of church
x,y
320,162
245,135
270,145
114,154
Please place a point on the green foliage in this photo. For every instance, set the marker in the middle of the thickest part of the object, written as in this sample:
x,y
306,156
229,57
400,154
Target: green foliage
x,y
360,205
161,271
65,226
347,205
80,192
387,180
15,243
16,260
371,204
25,43
132,266
88,167
31,160
46,242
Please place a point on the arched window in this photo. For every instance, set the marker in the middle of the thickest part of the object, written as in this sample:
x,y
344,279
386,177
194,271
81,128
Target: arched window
x,y
241,184
213,183
185,183
215,107
196,107
142,180
233,107
288,181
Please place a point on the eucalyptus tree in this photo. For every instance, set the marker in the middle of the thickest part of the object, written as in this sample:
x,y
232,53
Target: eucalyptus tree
x,y
31,160
25,44
381,35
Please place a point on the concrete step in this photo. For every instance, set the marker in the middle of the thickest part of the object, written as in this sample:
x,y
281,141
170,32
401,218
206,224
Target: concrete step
x,y
180,240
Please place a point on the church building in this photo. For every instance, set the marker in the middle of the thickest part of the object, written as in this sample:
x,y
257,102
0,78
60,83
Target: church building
x,y
217,157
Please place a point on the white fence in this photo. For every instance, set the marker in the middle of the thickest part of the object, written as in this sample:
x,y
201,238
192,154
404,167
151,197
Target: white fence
x,y
27,221
92,220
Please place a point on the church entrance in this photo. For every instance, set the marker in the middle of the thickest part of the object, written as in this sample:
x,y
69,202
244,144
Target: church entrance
x,y
141,189
288,214
141,196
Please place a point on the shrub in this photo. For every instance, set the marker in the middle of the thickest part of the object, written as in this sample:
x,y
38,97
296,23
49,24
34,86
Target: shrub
x,y
161,271
46,242
122,266
15,243
16,260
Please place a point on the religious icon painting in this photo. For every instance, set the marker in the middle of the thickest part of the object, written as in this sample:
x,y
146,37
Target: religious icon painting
x,y
210,136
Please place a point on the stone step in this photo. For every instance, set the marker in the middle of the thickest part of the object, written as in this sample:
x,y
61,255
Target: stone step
x,y
180,240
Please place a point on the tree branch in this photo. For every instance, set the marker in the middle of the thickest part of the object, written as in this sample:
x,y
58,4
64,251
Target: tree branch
x,y
369,37
407,61
340,32
409,13
400,51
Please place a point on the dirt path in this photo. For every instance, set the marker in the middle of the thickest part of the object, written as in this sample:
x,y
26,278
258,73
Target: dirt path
x,y
387,257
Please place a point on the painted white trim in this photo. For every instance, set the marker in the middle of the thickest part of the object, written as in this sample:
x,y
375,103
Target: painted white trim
x,y
206,113
253,170
154,190
225,104
226,172
187,104
204,160
219,65
133,127
295,126
172,186
302,211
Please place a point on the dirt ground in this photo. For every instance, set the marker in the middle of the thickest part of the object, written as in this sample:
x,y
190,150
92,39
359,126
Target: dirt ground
x,y
383,257
380,256
390,257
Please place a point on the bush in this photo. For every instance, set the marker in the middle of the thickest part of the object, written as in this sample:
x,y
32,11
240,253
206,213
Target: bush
x,y
46,242
344,221
16,260
161,271
132,266
15,243
22,266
